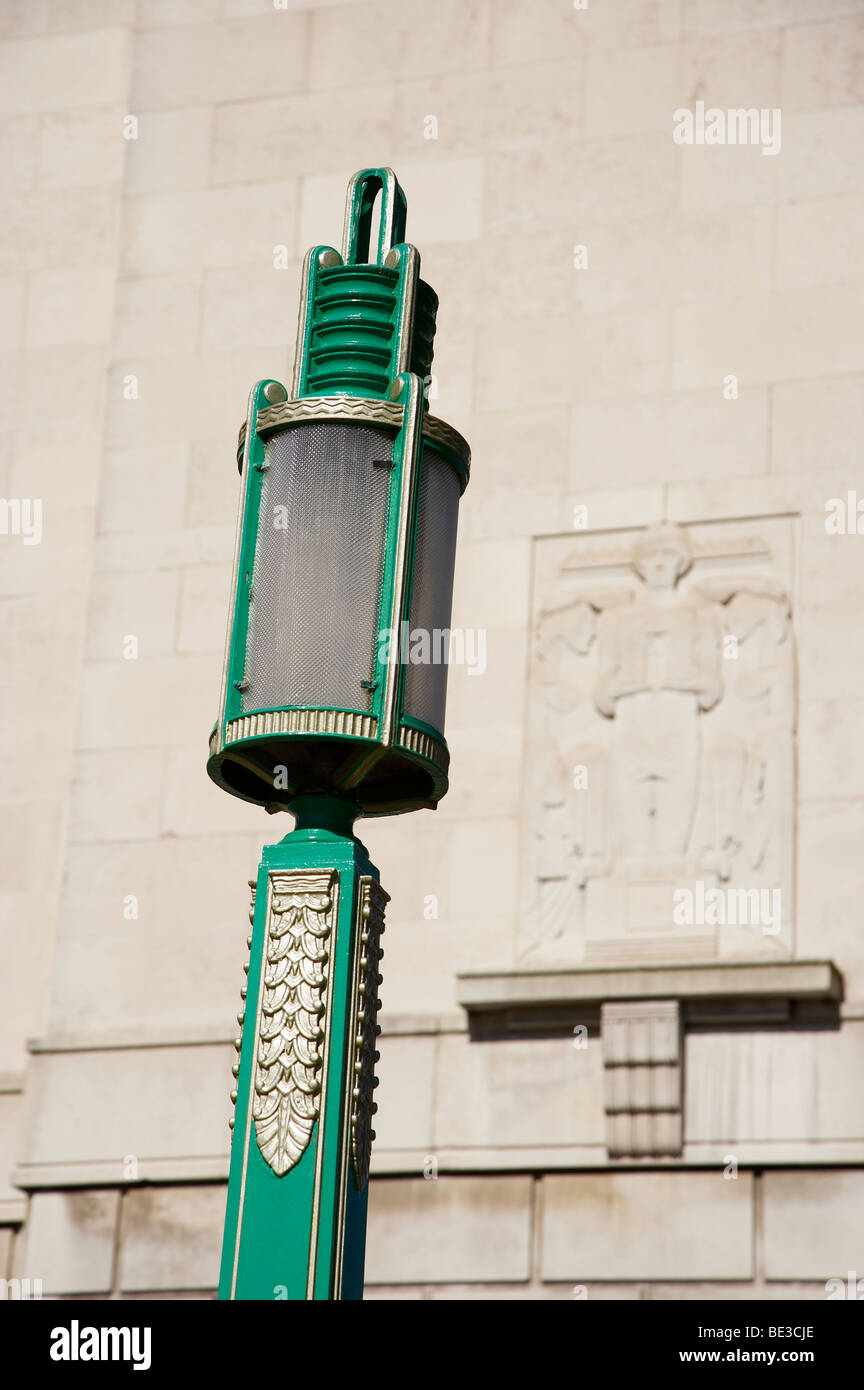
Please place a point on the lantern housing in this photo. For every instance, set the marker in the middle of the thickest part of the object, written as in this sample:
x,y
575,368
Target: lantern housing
x,y
346,541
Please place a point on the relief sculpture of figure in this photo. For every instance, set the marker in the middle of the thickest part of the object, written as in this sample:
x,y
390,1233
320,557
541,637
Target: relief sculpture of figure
x,y
659,660
662,748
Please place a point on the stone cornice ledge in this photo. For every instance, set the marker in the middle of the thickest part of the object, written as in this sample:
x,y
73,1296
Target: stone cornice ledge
x,y
411,1163
215,1036
718,991
109,1172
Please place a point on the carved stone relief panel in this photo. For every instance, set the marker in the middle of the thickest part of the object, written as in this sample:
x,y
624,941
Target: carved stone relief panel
x,y
660,769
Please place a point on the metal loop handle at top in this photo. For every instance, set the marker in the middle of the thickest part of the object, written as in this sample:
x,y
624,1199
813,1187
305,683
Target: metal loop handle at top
x,y
363,189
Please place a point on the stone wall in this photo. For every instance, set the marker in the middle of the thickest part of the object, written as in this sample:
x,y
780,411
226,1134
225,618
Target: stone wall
x,y
625,1235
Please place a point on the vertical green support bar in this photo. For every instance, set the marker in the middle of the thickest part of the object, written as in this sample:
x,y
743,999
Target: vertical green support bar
x,y
295,1225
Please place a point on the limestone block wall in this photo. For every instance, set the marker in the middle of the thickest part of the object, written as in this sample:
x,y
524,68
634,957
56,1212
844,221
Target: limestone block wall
x,y
623,1235
599,287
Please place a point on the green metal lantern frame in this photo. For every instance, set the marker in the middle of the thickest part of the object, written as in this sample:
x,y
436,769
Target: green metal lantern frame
x,y
378,354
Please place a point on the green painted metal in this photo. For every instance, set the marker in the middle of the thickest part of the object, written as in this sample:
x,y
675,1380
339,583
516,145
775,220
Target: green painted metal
x,y
367,316
363,191
296,1213
394,605
250,503
365,330
279,1242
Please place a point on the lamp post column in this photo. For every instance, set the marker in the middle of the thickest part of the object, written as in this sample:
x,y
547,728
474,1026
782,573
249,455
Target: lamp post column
x,y
296,1219
345,545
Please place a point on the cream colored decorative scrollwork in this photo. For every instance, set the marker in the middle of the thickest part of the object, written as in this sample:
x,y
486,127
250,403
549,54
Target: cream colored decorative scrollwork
x,y
372,902
363,410
292,1009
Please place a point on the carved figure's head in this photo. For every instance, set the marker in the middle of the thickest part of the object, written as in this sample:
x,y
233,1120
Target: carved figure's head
x,y
661,555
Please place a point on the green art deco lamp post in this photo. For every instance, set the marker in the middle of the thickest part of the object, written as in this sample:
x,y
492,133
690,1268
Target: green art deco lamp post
x,y
345,548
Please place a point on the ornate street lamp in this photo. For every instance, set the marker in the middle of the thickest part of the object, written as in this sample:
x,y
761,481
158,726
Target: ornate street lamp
x,y
345,549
